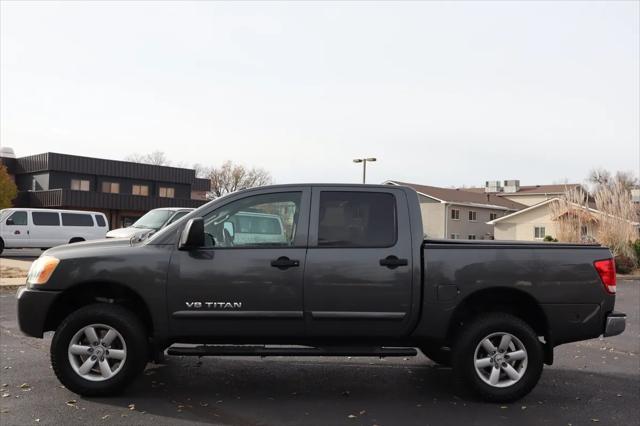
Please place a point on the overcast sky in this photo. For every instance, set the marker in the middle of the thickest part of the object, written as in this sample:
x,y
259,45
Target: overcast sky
x,y
442,93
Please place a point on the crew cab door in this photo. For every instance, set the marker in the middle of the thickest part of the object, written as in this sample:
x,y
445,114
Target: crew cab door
x,y
358,276
248,279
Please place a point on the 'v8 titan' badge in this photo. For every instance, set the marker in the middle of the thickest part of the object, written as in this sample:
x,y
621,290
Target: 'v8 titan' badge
x,y
214,305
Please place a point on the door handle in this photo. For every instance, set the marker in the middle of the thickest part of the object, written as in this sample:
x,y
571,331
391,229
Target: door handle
x,y
284,263
392,262
16,232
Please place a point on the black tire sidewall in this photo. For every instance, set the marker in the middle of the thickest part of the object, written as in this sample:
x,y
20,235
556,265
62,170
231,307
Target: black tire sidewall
x,y
464,362
129,328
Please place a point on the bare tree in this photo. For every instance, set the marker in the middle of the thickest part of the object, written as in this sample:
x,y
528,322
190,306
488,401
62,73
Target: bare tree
x,y
232,177
616,222
613,219
600,177
157,158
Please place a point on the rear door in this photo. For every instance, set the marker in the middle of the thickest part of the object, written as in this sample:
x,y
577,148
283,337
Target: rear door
x,y
358,275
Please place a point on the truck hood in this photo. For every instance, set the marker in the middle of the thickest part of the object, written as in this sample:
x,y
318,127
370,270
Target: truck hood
x,y
68,250
128,232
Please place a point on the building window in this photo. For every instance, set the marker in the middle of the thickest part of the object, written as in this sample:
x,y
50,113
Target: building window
x,y
140,190
493,216
111,187
472,237
455,214
539,232
455,236
80,184
473,216
167,192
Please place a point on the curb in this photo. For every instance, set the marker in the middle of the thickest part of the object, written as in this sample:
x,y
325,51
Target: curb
x,y
10,287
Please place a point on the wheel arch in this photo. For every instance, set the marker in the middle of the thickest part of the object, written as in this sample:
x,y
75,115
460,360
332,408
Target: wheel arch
x,y
516,302
90,292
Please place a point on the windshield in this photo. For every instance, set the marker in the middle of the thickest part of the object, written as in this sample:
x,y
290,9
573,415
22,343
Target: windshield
x,y
154,219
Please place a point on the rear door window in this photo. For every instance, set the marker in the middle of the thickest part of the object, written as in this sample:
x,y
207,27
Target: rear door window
x,y
45,218
357,219
76,219
18,219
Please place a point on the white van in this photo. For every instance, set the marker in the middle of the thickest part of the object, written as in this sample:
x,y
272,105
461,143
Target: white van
x,y
44,228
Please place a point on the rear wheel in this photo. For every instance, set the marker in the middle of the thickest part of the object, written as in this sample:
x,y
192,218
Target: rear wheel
x,y
499,357
1,245
99,349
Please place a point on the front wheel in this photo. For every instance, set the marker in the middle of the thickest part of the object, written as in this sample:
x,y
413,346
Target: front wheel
x,y
99,349
499,357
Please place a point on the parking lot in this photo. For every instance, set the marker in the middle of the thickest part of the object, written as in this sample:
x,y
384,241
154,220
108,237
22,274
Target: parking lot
x,y
591,382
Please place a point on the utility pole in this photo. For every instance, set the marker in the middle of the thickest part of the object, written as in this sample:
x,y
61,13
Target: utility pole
x,y
364,166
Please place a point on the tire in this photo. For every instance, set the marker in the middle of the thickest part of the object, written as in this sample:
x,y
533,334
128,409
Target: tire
x,y
437,354
129,343
1,245
519,371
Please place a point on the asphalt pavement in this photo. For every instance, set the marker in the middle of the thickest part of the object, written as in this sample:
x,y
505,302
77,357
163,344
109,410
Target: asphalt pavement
x,y
592,382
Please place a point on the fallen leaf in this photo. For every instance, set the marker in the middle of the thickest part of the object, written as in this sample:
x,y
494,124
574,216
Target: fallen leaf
x,y
6,395
351,416
132,407
362,412
204,404
37,420
105,417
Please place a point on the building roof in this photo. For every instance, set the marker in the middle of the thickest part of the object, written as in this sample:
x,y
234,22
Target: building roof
x,y
53,161
589,208
461,196
531,189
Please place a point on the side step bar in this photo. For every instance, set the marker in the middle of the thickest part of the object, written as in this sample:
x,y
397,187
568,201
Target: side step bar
x,y
241,350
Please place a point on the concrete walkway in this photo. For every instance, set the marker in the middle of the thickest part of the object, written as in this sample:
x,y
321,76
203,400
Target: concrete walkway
x,y
13,271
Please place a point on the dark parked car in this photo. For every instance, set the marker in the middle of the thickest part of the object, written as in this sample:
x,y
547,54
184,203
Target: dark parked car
x,y
349,274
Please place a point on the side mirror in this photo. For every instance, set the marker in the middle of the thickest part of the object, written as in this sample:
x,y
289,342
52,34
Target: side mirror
x,y
192,235
10,221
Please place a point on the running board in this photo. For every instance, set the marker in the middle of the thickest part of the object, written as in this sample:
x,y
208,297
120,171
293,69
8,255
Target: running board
x,y
240,350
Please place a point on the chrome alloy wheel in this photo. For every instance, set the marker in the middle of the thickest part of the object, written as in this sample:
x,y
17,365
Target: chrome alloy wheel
x,y
500,359
97,352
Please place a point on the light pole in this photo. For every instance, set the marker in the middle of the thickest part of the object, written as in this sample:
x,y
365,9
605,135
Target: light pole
x,y
364,166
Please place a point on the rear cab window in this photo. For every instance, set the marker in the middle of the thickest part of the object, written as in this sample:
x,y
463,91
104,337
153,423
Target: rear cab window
x,y
76,219
45,218
357,219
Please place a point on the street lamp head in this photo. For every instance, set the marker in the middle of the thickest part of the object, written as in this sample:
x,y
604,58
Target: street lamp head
x,y
371,159
358,160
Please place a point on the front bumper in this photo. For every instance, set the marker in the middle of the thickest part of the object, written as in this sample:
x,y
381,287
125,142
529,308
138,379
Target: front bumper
x,y
33,308
615,324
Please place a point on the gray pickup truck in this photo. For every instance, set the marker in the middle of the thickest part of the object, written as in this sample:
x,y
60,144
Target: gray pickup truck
x,y
319,270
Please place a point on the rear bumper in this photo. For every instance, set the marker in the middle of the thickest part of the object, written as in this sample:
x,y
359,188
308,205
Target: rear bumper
x,y
33,307
615,324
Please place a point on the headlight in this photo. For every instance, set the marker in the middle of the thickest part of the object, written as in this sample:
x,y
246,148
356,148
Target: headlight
x,y
41,270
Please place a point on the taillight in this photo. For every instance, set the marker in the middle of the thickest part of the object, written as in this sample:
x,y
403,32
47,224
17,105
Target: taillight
x,y
607,270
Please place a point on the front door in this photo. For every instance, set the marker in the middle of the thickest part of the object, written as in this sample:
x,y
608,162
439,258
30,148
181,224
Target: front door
x,y
15,230
358,276
248,279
